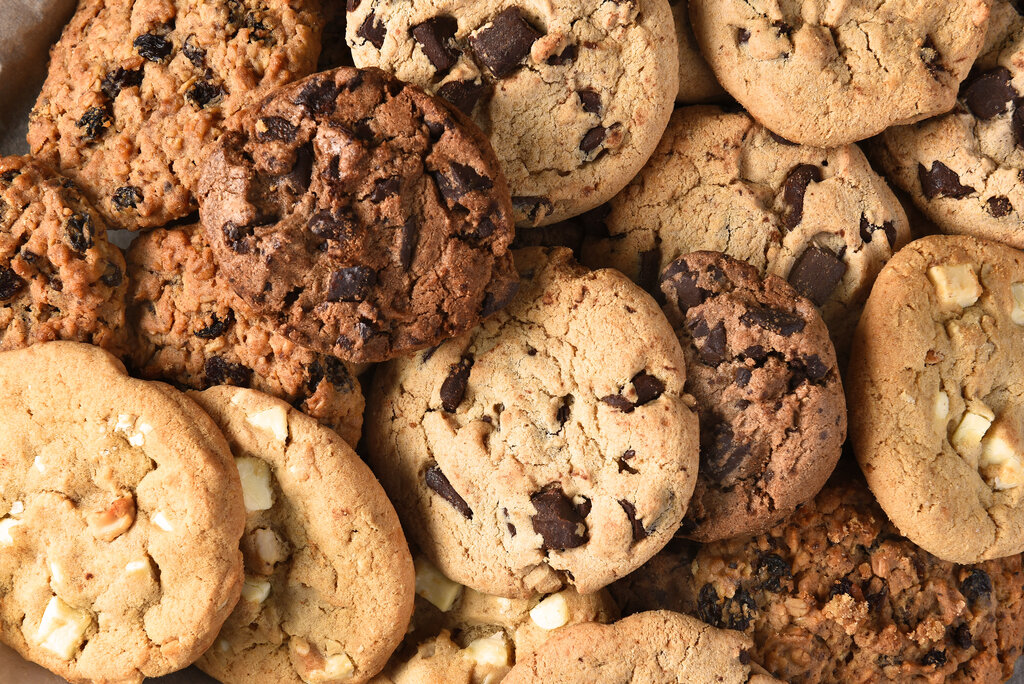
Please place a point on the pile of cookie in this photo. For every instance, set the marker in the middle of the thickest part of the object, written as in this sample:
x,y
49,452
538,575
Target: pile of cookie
x,y
663,381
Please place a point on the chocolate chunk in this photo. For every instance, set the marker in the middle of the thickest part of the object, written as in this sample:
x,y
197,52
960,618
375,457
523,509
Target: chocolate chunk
x,y
194,53
80,232
623,462
95,121
112,276
505,43
639,532
708,609
564,410
813,367
495,301
459,180
216,327
782,28
437,481
816,274
318,97
566,56
771,570
436,37
453,389
742,609
592,139
352,284
333,370
710,342
337,227
743,376
962,636
999,206
617,401
120,78
275,128
941,181
126,197
463,94
648,388
10,283
221,372
557,521
720,454
934,657
794,190
742,36
868,230
780,322
203,93
384,188
152,46
683,282
372,30
988,95
591,100
407,247
976,586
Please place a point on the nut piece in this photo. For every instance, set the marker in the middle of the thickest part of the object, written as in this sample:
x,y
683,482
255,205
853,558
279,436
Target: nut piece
x,y
973,426
492,657
313,668
551,613
1001,461
1017,314
263,549
256,489
109,524
255,590
432,585
273,420
956,284
62,628
7,526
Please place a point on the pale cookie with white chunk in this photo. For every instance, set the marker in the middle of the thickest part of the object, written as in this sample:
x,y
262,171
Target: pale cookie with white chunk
x,y
121,516
936,395
328,576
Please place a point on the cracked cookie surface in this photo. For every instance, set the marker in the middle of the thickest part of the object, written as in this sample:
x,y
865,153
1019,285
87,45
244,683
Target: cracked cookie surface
x,y
359,216
121,515
574,94
936,395
553,446
825,73
770,402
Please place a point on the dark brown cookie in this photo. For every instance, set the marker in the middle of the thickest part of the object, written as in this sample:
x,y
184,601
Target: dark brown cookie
x,y
763,371
360,216
59,277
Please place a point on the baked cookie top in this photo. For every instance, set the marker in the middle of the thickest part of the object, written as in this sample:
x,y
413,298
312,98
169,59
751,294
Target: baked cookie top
x,y
827,74
328,576
553,446
574,94
59,277
935,390
122,512
359,216
137,89
770,402
187,326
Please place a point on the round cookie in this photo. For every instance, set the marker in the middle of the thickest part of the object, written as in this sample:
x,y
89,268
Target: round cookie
x,y
963,169
823,74
697,83
329,579
834,594
122,512
822,219
935,389
770,402
188,327
360,216
574,94
59,277
136,90
659,647
553,446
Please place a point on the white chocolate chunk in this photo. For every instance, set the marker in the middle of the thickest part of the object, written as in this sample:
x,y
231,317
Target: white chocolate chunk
x,y
972,428
273,420
137,439
56,573
124,423
955,285
256,490
336,668
940,409
17,508
62,628
1017,314
432,585
139,567
255,590
112,522
7,525
1002,461
551,613
161,521
38,464
491,656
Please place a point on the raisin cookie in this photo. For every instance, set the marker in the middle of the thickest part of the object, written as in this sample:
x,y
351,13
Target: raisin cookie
x,y
121,517
820,218
828,74
834,594
60,279
328,575
658,647
137,89
553,446
935,385
964,169
574,94
763,371
697,83
359,216
186,326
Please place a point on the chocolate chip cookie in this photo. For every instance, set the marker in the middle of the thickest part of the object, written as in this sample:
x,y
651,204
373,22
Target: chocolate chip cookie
x,y
770,401
820,218
964,169
329,579
187,326
60,279
827,74
359,216
136,90
120,517
834,594
935,385
553,446
574,94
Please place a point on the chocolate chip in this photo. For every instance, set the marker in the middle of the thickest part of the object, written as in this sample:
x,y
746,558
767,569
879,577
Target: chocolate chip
x,y
720,454
590,99
743,376
152,46
639,532
372,30
680,281
708,609
999,206
126,197
95,121
744,657
566,56
351,284
10,283
710,342
463,94
962,636
194,53
623,462
813,367
535,208
771,570
816,274
437,481
80,232
941,181
742,36
318,96
216,327
934,657
505,43
564,410
112,276
648,388
436,37
976,586
592,139
794,190
337,227
407,245
221,372
868,230
120,78
842,587
495,301
459,180
557,521
782,28
988,95
617,401
333,370
780,322
275,128
453,389
932,58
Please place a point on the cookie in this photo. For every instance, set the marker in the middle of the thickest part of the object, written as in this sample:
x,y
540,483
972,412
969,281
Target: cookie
x,y
963,169
828,75
574,94
820,218
834,594
763,372
551,447
187,326
658,647
934,388
697,83
136,90
359,216
122,513
328,576
59,277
